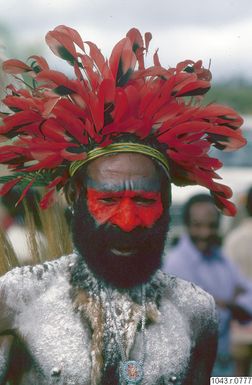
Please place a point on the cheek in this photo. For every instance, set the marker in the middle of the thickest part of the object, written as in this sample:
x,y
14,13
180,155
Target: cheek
x,y
194,231
101,213
150,214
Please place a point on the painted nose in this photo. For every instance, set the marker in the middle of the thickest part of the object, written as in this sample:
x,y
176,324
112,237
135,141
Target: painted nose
x,y
126,217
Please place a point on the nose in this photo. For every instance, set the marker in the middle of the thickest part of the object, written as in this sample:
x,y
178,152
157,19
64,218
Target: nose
x,y
126,216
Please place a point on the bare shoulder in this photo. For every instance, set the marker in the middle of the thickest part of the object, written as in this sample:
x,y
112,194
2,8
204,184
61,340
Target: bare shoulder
x,y
195,304
21,284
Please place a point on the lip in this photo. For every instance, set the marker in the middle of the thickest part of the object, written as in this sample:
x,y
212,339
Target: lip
x,y
123,253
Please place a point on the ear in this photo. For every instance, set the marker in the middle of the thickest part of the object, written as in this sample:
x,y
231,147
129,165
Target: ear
x,y
72,191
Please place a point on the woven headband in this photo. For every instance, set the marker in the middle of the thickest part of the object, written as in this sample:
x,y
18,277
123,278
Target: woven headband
x,y
116,148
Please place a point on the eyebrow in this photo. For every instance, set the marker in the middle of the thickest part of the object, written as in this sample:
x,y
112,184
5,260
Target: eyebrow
x,y
152,184
132,194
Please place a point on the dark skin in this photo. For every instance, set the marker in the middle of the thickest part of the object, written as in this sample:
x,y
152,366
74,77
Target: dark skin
x,y
124,170
121,208
127,189
203,229
203,226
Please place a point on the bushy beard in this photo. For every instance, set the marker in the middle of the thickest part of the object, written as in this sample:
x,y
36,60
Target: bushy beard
x,y
95,242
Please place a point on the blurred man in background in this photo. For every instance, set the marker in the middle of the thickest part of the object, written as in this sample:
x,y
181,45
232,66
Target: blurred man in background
x,y
238,243
238,246
198,258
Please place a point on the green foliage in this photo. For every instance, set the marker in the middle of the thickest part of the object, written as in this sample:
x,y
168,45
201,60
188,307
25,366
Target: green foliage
x,y
40,178
236,94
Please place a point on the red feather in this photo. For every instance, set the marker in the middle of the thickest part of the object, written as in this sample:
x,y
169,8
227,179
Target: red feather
x,y
19,119
92,76
121,106
191,87
135,38
50,162
15,67
96,106
52,130
107,91
98,59
40,62
26,189
151,71
73,156
47,199
137,44
57,77
9,185
147,39
122,52
156,59
227,207
19,102
72,34
133,99
74,126
57,41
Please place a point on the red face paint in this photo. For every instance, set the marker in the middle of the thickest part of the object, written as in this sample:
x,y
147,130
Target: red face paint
x,y
126,209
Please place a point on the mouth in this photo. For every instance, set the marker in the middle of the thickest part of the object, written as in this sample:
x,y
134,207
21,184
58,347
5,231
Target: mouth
x,y
203,244
123,252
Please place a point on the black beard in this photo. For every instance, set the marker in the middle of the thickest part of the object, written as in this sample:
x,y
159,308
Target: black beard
x,y
94,243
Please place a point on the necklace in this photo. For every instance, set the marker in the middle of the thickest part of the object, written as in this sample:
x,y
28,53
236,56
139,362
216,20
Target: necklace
x,y
130,371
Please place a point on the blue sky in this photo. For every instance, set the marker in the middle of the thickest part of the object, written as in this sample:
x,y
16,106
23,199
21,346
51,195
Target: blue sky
x,y
216,30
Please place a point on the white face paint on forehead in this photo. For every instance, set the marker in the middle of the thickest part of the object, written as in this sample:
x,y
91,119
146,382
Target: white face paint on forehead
x,y
123,172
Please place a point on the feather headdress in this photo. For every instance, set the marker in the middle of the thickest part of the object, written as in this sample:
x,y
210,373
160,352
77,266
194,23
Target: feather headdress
x,y
57,121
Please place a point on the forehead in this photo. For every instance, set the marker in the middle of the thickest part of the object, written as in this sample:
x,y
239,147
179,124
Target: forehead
x,y
203,212
123,169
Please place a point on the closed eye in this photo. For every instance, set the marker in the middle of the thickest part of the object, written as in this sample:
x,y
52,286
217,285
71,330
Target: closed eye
x,y
108,200
144,201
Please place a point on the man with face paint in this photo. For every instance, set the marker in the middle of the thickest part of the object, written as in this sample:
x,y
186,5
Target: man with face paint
x,y
119,227
114,139
120,211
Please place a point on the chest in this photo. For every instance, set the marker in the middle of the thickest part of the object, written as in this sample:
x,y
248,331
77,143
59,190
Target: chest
x,y
60,343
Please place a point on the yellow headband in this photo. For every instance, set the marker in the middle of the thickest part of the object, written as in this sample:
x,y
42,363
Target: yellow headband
x,y
120,148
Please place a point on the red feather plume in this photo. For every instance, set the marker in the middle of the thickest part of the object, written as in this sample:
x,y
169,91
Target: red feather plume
x,y
59,119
